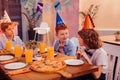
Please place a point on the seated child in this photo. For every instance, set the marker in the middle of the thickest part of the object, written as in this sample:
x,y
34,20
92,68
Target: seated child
x,y
63,44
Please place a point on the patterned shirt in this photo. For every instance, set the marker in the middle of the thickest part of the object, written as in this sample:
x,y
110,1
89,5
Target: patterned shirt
x,y
68,49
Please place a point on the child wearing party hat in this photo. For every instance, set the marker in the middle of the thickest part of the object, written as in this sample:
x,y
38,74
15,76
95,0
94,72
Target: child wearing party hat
x,y
8,35
63,44
93,54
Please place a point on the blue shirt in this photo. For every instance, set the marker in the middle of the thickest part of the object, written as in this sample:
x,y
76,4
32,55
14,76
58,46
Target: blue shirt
x,y
15,41
69,48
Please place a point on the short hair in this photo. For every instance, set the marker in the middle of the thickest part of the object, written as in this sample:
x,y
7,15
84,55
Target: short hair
x,y
90,38
60,27
5,25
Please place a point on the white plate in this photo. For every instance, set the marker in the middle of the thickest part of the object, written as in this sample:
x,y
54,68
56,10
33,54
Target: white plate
x,y
73,62
6,57
15,65
45,49
55,54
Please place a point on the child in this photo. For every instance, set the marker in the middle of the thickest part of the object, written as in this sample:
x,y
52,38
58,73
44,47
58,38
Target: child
x,y
8,34
94,53
63,44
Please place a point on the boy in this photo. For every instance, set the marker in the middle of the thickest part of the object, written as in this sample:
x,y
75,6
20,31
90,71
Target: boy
x,y
63,44
8,34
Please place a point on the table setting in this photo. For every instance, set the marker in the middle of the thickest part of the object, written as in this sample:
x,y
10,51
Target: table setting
x,y
42,61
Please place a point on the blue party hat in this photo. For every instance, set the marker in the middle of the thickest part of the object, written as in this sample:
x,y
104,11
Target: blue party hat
x,y
58,20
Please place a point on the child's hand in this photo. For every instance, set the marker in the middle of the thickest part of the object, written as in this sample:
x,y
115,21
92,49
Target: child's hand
x,y
61,47
80,54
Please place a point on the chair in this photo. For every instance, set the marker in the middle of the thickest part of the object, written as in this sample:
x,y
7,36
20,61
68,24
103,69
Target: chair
x,y
111,63
43,29
113,72
117,77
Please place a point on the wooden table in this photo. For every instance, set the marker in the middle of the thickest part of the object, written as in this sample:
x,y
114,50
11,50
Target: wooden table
x,y
74,70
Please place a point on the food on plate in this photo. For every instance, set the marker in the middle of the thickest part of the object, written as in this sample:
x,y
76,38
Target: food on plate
x,y
48,65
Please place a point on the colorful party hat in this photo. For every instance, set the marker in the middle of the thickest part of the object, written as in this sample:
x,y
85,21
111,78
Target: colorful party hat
x,y
88,23
58,20
6,17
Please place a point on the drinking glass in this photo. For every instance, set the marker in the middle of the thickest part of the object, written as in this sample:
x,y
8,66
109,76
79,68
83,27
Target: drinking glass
x,y
42,47
50,53
8,45
18,51
29,55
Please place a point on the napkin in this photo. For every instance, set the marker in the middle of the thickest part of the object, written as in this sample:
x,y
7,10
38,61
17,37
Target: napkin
x,y
8,61
20,71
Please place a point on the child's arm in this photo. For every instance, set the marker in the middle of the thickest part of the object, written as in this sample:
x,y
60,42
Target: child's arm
x,y
96,74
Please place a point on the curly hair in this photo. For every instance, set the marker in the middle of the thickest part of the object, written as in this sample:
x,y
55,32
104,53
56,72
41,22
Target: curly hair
x,y
90,38
60,27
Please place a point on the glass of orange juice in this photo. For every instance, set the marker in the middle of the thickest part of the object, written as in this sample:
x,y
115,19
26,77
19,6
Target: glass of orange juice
x,y
8,45
50,53
18,51
28,55
42,47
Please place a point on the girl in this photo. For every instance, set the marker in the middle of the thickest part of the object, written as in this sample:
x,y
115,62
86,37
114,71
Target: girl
x,y
93,54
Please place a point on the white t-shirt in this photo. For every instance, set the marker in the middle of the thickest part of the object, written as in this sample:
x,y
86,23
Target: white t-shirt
x,y
99,57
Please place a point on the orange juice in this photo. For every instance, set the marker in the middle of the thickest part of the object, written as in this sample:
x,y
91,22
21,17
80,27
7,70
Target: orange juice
x,y
28,55
50,54
42,47
8,45
18,51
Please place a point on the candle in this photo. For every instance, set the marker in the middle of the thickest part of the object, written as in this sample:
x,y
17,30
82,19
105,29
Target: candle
x,y
28,55
8,45
50,52
42,47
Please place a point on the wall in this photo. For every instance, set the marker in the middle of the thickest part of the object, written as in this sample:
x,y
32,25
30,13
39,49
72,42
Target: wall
x,y
49,17
24,25
108,16
70,16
